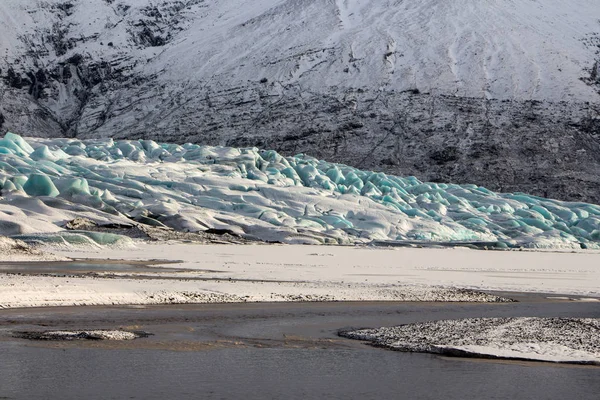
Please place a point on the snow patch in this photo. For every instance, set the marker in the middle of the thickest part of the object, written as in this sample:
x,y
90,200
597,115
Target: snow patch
x,y
116,335
565,340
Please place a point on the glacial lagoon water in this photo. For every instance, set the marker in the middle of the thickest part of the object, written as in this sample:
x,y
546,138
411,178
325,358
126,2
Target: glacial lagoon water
x,y
272,351
279,374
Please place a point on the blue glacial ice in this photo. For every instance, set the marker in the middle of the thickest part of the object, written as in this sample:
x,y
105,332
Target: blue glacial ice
x,y
262,194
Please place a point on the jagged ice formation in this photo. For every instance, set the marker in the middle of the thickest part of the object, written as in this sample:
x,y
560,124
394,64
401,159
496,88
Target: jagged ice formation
x,y
260,194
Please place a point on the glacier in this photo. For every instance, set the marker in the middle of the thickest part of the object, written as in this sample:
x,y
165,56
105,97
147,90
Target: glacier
x,y
260,194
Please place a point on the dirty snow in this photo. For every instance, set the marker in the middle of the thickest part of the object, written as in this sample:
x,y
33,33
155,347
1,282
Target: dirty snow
x,y
566,340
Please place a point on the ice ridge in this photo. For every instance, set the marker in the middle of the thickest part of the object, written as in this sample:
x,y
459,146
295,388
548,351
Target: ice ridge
x,y
261,194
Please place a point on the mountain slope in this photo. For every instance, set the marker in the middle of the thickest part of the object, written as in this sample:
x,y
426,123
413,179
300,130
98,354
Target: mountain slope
x,y
501,93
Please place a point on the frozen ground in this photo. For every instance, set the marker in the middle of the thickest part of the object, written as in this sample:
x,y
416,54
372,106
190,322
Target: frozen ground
x,y
234,273
545,272
220,274
568,340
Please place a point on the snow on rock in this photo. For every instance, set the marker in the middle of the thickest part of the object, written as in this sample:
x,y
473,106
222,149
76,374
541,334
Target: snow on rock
x,y
568,340
475,48
261,194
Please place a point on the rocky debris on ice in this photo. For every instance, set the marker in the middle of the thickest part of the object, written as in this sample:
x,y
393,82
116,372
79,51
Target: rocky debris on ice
x,y
137,230
565,340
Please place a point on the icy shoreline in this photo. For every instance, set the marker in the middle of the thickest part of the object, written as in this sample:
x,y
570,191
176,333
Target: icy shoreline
x,y
275,273
559,340
22,291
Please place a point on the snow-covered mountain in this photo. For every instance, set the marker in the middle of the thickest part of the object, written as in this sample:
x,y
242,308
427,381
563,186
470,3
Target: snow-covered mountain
x,y
503,93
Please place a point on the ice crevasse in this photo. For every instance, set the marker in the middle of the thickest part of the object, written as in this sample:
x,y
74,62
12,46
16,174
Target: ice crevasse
x,y
262,194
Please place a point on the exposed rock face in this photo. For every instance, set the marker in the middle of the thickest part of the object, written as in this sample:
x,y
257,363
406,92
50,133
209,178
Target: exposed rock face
x,y
464,92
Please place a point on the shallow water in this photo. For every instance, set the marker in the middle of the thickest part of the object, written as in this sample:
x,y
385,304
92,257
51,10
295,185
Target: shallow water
x,y
271,351
78,267
278,373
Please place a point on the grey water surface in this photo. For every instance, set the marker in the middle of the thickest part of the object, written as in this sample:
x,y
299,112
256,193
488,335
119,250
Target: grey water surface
x,y
271,351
